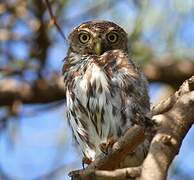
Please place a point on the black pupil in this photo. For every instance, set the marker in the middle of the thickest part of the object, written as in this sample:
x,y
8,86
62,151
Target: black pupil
x,y
84,37
112,37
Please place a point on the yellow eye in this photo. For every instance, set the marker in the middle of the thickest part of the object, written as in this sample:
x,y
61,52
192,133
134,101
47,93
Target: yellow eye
x,y
112,37
84,37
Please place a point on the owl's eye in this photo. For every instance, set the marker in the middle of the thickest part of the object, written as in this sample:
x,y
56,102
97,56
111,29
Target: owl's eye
x,y
112,37
84,37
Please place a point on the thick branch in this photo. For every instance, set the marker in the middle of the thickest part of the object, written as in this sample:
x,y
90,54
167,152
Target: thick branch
x,y
41,91
174,125
169,71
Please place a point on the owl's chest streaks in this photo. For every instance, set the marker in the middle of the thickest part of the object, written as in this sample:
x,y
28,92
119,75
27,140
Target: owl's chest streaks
x,y
94,82
91,109
100,95
91,86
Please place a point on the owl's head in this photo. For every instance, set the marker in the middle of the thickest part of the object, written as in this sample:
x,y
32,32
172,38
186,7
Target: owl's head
x,y
97,37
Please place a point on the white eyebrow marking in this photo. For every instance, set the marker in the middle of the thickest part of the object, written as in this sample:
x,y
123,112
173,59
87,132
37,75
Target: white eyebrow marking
x,y
85,29
94,34
110,28
97,29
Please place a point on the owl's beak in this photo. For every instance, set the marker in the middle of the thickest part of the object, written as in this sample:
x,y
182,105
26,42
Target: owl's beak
x,y
98,48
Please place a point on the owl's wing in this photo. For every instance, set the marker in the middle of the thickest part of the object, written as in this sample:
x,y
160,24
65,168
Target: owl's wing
x,y
65,72
127,80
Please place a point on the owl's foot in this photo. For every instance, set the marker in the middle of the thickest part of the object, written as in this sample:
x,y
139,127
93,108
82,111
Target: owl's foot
x,y
86,160
107,146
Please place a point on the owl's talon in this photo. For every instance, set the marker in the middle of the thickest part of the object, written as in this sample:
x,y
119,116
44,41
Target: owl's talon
x,y
106,147
103,148
86,160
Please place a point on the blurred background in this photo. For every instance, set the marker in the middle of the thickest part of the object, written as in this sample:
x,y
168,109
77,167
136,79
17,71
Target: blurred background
x,y
35,139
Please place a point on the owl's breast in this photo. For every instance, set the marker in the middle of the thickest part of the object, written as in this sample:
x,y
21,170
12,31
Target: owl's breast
x,y
94,103
102,95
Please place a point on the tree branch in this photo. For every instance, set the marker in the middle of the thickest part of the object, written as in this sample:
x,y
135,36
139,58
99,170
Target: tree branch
x,y
133,137
53,18
169,71
117,174
41,91
173,126
168,103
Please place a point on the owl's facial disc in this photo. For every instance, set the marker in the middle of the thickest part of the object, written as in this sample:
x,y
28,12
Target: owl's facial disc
x,y
97,37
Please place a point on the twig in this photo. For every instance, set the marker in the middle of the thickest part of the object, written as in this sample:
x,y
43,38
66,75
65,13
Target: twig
x,y
53,18
118,174
168,103
8,71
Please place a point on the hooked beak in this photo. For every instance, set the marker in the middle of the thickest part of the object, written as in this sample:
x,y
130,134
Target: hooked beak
x,y
98,48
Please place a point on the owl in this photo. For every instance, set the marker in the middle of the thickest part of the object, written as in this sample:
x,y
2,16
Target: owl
x,y
104,88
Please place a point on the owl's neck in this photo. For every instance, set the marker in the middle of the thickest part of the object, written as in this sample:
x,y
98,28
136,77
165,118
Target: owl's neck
x,y
75,58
